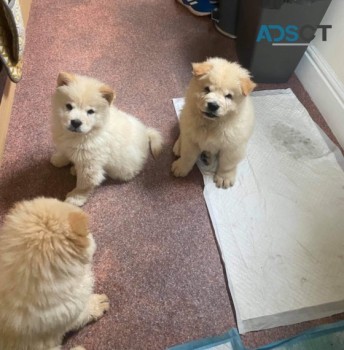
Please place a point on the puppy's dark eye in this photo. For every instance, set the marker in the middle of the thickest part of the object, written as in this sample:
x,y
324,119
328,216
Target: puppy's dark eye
x,y
90,111
230,96
69,106
207,90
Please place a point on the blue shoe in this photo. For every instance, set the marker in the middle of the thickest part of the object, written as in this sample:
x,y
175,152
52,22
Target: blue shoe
x,y
200,7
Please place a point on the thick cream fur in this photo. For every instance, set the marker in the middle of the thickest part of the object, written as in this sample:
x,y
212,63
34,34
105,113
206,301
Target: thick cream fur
x,y
224,136
46,280
110,142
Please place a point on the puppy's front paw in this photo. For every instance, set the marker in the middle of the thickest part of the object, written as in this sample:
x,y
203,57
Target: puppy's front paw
x,y
178,170
225,181
99,304
76,198
78,348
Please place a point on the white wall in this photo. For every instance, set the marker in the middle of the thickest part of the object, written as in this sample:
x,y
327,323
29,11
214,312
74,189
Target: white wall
x,y
332,50
321,70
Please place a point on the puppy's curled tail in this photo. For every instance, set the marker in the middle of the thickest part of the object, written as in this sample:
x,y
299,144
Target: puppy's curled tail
x,y
155,141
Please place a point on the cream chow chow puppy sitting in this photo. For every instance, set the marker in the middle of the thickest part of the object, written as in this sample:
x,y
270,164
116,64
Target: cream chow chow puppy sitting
x,y
46,278
217,119
95,137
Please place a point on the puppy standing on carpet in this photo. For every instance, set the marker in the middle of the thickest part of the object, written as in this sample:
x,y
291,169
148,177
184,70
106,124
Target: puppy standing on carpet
x,y
95,136
46,279
217,118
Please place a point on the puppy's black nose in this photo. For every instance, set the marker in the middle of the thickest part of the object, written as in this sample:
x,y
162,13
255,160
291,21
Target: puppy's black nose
x,y
213,106
75,123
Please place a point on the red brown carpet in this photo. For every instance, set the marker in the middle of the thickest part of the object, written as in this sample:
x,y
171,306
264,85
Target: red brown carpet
x,y
157,257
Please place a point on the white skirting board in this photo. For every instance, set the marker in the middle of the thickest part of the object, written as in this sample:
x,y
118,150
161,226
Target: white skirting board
x,y
280,229
324,88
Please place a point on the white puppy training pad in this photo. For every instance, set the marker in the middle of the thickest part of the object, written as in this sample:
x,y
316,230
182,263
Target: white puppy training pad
x,y
280,229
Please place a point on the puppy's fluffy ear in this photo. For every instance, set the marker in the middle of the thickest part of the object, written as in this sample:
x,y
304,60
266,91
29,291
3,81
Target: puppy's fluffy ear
x,y
78,222
107,93
199,69
247,85
65,78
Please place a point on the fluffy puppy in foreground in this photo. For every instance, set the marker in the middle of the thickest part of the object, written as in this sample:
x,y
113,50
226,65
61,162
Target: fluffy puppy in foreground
x,y
46,280
95,136
217,119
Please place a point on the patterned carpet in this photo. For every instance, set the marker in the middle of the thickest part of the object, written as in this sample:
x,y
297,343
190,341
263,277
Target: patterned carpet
x,y
157,257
